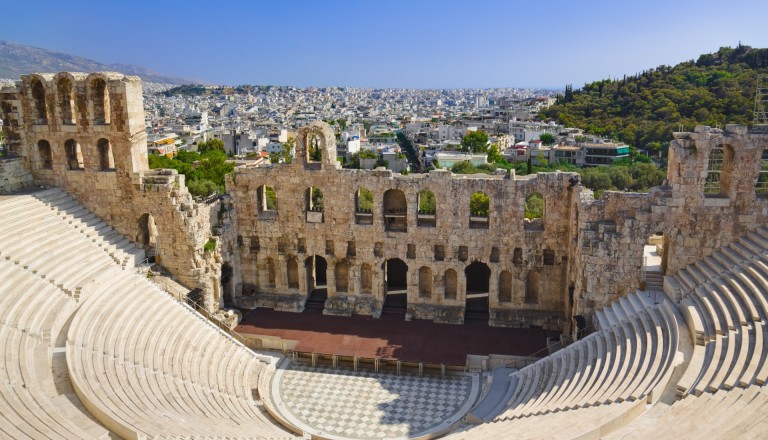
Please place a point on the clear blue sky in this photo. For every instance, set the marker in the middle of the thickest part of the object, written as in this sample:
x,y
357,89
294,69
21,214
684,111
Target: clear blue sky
x,y
393,43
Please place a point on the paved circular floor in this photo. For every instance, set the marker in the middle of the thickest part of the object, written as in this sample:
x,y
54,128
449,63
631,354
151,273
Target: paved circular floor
x,y
346,404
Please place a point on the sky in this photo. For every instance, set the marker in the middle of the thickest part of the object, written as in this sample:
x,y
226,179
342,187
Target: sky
x,y
393,43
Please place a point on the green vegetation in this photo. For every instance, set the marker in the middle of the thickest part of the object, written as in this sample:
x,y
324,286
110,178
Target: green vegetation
x,y
210,245
534,206
185,90
364,200
475,142
643,110
479,204
284,156
467,167
317,199
315,152
271,198
204,172
427,202
547,139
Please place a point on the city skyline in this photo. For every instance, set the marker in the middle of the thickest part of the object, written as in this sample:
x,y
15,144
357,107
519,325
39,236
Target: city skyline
x,y
394,45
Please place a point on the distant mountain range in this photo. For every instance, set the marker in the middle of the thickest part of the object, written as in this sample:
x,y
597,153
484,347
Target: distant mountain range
x,y
19,59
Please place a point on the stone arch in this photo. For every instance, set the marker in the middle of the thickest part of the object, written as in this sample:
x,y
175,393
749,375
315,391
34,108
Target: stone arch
x,y
66,100
425,282
314,199
74,154
39,104
532,287
341,276
317,272
761,182
478,276
227,284
147,236
395,285
271,272
363,206
267,199
44,154
427,209
366,278
451,281
534,206
292,269
479,210
505,286
99,94
106,158
395,211
316,147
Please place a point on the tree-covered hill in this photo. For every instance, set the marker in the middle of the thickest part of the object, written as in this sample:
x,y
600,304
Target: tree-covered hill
x,y
643,110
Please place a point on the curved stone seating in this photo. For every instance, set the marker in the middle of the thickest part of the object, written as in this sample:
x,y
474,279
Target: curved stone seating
x,y
124,354
724,299
630,358
31,405
736,413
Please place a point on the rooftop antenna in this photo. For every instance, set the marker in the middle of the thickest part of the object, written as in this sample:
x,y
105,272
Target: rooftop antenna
x,y
761,101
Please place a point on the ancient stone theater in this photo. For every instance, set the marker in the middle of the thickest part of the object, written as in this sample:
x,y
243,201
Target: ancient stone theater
x,y
660,298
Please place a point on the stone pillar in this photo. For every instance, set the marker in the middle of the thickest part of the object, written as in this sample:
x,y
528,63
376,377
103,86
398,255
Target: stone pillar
x,y
331,275
493,288
281,273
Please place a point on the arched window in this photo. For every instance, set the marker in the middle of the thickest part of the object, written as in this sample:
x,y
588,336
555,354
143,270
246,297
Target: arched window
x,y
44,153
534,206
495,255
267,200
532,287
714,171
74,155
66,101
427,209
517,256
106,159
425,282
100,99
450,284
342,277
365,278
40,108
479,210
505,287
761,185
364,206
314,148
314,205
293,273
395,211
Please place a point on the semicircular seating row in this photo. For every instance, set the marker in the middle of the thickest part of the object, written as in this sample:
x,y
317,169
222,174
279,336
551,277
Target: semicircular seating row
x,y
723,301
91,348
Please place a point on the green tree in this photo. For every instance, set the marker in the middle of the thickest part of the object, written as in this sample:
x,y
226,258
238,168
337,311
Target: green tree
x,y
427,202
494,156
475,142
317,199
479,204
534,206
547,139
365,200
271,198
211,145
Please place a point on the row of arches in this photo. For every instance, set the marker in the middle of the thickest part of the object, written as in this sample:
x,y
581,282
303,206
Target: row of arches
x,y
394,271
65,107
73,155
395,206
719,169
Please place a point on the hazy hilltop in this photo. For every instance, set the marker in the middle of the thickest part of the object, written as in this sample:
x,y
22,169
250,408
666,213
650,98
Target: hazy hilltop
x,y
644,109
19,59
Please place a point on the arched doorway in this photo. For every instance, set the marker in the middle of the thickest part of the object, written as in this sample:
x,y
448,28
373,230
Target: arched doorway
x,y
317,291
227,286
395,286
478,277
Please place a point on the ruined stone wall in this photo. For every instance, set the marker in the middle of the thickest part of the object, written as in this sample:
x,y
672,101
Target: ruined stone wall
x,y
85,133
270,240
14,175
614,229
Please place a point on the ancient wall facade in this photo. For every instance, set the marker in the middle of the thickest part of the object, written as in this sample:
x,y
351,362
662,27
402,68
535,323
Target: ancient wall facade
x,y
711,196
86,134
446,254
